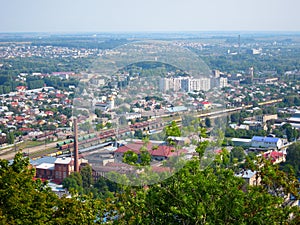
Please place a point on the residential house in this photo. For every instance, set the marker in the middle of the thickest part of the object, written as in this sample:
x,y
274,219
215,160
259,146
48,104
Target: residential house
x,y
251,177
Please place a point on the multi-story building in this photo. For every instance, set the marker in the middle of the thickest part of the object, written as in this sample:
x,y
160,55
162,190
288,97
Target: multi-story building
x,y
223,82
196,84
185,83
57,169
265,118
266,142
63,168
170,83
219,82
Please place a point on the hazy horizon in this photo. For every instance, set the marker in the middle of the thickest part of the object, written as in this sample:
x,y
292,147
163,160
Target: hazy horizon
x,y
149,16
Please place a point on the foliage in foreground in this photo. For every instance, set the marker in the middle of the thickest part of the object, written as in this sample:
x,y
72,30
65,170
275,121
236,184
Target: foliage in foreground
x,y
213,195
24,200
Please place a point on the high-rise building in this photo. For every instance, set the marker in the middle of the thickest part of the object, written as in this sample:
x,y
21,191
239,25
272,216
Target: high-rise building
x,y
223,82
171,83
185,83
196,84
216,73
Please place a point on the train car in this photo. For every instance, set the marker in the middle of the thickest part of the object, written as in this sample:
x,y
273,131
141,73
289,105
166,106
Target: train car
x,y
87,136
92,135
63,147
71,145
92,139
66,152
58,153
68,141
80,138
59,144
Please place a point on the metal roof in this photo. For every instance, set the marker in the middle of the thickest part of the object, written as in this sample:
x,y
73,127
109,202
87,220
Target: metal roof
x,y
177,109
46,159
265,139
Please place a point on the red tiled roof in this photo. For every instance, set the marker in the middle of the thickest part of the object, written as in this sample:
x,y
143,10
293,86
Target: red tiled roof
x,y
135,147
59,95
218,151
205,103
49,112
14,104
19,118
162,150
158,169
25,129
21,88
273,155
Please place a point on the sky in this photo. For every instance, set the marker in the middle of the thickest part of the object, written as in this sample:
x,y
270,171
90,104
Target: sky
x,y
148,15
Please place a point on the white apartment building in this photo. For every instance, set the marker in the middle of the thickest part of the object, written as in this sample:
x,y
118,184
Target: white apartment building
x,y
196,84
171,83
185,83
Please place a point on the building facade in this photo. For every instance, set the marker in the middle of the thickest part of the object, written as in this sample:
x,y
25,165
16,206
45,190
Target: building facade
x,y
185,83
266,142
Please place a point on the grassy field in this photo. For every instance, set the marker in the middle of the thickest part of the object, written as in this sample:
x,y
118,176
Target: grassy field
x,y
29,144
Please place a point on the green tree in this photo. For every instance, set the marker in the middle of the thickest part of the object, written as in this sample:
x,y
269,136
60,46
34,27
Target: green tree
x,y
145,156
10,138
24,200
238,153
293,158
138,134
73,182
172,130
130,157
87,178
235,117
205,196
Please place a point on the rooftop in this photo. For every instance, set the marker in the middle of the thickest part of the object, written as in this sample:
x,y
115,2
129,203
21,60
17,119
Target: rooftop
x,y
46,159
46,166
63,160
265,139
246,174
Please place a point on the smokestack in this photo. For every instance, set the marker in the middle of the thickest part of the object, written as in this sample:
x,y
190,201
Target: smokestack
x,y
76,163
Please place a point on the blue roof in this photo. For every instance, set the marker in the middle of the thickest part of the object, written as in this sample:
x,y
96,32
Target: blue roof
x,y
46,159
265,139
271,139
257,138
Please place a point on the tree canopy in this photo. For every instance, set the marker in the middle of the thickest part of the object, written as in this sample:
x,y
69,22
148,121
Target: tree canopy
x,y
193,195
24,200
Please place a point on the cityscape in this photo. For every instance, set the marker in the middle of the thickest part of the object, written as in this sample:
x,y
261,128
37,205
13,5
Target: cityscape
x,y
127,116
139,112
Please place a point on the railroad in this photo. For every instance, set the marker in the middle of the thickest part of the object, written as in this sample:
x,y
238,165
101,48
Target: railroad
x,y
92,141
